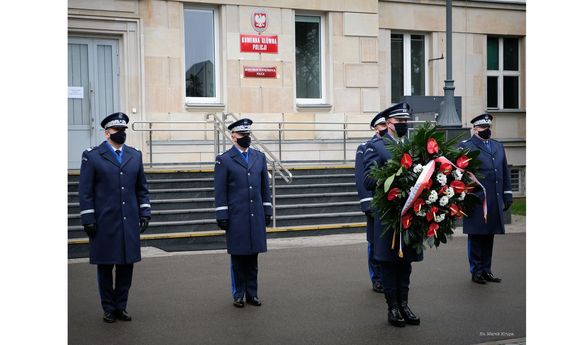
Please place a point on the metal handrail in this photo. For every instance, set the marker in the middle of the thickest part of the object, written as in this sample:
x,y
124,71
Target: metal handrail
x,y
284,172
221,134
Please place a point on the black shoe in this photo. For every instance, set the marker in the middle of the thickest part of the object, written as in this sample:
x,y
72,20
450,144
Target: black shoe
x,y
393,314
123,315
377,286
408,315
239,302
478,278
109,317
254,301
491,278
394,317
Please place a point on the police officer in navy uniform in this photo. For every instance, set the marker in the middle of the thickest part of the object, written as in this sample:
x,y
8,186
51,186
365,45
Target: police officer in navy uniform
x,y
243,210
365,197
396,271
115,209
493,173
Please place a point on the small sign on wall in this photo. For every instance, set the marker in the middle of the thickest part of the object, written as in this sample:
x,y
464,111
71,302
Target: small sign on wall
x,y
260,72
75,92
258,44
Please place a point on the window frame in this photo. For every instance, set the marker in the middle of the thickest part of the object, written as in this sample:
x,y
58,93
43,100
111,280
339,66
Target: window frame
x,y
191,101
323,99
501,73
407,62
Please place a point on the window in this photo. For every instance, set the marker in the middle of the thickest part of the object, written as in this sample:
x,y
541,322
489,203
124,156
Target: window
x,y
408,60
502,73
309,59
517,180
201,55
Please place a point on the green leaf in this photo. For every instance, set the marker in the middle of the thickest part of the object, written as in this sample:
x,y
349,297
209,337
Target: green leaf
x,y
388,183
399,171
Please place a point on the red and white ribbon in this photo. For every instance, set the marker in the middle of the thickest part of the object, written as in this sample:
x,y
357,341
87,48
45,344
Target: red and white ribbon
x,y
424,177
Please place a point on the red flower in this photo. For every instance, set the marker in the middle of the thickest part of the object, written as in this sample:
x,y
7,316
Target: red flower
x,y
406,221
462,162
442,190
454,210
432,230
418,204
406,161
428,184
458,186
431,213
393,193
445,168
432,146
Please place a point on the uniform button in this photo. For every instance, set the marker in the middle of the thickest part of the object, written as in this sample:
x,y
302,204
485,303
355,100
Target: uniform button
x,y
252,214
125,218
248,174
121,173
495,169
251,201
122,187
250,187
123,203
496,181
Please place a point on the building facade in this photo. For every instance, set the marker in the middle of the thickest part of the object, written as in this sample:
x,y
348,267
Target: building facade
x,y
310,67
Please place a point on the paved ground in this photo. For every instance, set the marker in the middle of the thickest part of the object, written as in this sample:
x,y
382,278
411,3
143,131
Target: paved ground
x,y
315,291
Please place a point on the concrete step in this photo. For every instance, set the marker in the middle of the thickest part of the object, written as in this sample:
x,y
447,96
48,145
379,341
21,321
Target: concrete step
x,y
77,231
208,213
205,192
288,199
207,182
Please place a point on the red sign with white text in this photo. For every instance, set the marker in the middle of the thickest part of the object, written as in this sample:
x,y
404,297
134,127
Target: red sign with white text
x,y
260,72
258,44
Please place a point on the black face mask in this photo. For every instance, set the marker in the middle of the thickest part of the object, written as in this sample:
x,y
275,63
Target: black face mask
x,y
118,137
486,134
382,132
400,129
245,141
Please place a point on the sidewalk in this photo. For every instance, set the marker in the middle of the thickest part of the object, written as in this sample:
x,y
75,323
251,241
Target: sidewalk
x,y
314,291
518,225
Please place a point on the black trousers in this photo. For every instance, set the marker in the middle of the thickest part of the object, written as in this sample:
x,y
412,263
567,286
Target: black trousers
x,y
114,297
244,272
480,251
395,277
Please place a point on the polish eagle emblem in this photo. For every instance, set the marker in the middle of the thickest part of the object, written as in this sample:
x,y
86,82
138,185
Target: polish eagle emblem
x,y
259,20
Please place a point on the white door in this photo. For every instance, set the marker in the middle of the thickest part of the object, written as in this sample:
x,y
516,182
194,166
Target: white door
x,y
92,92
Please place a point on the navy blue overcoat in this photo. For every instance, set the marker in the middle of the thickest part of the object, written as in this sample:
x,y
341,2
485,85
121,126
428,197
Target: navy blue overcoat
x,y
365,196
496,180
243,197
113,196
377,153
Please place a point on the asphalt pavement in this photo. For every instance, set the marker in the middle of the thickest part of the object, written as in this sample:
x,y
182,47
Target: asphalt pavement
x,y
314,291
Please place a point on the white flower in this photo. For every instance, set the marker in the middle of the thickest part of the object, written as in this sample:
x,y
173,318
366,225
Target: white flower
x,y
432,197
439,217
457,174
462,196
442,179
421,213
444,200
450,192
418,168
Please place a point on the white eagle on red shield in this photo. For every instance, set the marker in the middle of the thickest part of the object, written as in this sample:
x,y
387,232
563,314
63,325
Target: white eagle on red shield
x,y
259,20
